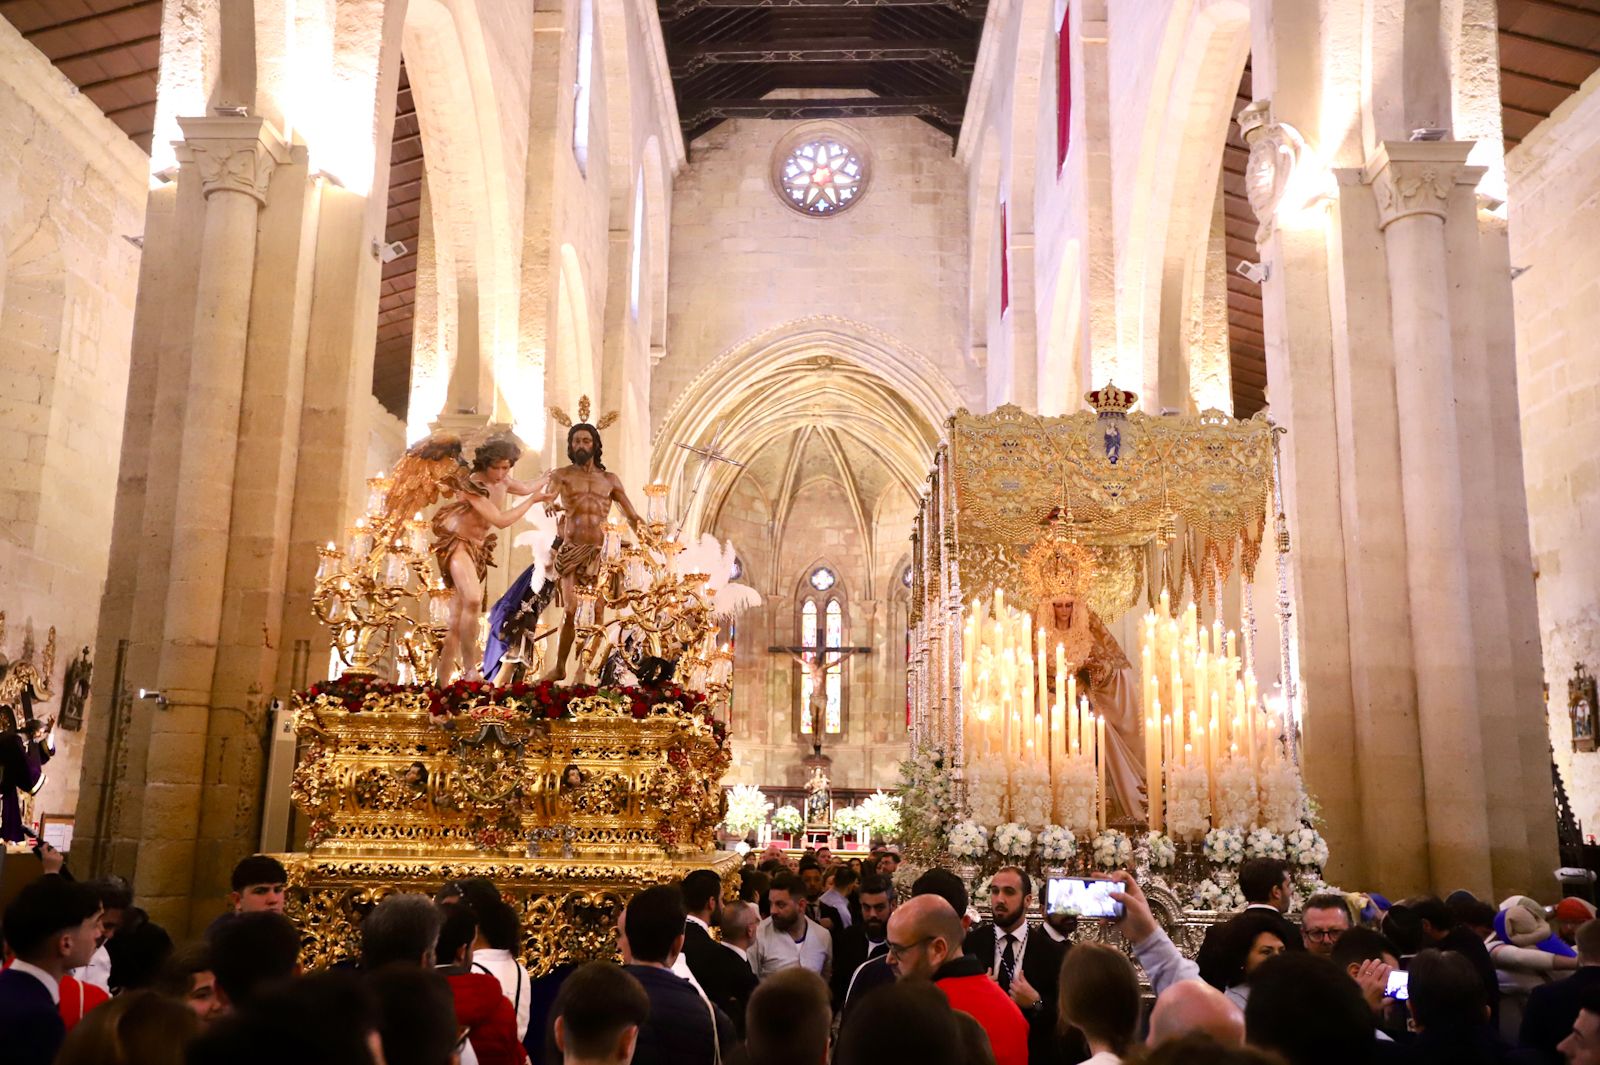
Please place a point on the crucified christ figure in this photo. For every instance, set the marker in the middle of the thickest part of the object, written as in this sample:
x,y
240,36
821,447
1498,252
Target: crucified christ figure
x,y
820,660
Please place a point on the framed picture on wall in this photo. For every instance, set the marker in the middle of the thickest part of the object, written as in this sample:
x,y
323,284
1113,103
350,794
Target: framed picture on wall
x,y
1582,704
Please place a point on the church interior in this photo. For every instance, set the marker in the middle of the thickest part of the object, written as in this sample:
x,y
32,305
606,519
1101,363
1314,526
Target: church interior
x,y
795,256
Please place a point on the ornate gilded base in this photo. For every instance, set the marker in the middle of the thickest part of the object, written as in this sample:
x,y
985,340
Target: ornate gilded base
x,y
568,906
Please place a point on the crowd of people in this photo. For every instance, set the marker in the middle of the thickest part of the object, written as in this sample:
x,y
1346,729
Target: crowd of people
x,y
817,961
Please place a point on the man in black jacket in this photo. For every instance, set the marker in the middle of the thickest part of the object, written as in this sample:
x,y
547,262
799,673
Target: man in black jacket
x,y
725,979
1026,962
683,1028
1266,885
864,940
1553,1008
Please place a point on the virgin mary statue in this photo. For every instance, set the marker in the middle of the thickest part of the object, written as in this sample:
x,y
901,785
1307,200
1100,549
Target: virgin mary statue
x,y
1103,675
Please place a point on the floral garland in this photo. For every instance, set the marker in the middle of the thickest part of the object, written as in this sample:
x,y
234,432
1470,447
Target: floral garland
x,y
1012,840
1209,895
1057,845
1188,802
1283,798
1030,796
1236,794
355,693
1075,797
986,795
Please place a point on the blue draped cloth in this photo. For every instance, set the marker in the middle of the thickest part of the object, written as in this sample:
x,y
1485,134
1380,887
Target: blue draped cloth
x,y
494,648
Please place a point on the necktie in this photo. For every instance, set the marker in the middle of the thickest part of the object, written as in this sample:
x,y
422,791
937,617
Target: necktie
x,y
1008,963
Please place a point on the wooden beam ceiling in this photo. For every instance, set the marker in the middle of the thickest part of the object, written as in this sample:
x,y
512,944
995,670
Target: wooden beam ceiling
x,y
872,58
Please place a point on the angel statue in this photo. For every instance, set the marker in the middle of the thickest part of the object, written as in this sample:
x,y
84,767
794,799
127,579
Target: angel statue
x,y
586,490
463,543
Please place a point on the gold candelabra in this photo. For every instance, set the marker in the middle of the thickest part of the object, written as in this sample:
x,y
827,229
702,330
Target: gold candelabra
x,y
370,593
643,610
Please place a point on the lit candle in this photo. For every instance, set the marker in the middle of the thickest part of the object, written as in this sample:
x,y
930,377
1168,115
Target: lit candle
x,y
1153,766
1072,701
1100,750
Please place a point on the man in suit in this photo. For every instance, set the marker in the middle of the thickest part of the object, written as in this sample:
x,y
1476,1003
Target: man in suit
x,y
683,1028
51,926
864,940
816,909
1025,962
1552,1009
726,980
1266,885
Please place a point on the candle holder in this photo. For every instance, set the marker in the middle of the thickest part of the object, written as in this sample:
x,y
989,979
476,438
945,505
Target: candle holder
x,y
655,503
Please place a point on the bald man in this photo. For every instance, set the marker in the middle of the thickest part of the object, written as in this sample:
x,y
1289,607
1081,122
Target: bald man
x,y
1195,1006
925,937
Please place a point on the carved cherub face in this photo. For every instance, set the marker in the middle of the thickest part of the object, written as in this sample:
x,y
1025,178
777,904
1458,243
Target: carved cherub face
x,y
571,777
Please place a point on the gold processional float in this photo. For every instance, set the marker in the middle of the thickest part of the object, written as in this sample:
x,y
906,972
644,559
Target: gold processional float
x,y
570,798
1036,739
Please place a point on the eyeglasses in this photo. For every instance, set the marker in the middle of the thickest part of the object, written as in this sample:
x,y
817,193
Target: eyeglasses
x,y
898,951
1326,935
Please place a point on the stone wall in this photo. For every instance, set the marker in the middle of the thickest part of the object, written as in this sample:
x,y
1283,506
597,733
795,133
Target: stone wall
x,y
72,188
1555,234
742,262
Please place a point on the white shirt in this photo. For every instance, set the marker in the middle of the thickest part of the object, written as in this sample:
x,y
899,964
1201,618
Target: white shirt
x,y
97,972
702,924
774,950
744,955
839,903
1021,935
514,982
51,984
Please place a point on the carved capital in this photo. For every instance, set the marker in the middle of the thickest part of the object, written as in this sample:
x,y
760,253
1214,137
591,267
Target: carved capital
x,y
232,154
1412,178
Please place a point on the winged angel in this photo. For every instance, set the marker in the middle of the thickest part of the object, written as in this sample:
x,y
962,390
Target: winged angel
x,y
476,494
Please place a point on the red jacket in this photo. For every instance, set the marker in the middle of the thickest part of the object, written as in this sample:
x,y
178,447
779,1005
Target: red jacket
x,y
78,998
483,1009
965,982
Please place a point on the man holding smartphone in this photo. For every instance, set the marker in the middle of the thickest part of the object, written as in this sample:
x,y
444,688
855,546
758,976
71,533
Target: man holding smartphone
x,y
1026,964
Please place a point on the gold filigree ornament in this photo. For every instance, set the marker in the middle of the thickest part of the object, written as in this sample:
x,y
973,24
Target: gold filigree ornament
x,y
564,419
1058,564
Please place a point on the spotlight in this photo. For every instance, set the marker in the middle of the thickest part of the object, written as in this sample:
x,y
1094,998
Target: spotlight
x,y
388,252
1255,272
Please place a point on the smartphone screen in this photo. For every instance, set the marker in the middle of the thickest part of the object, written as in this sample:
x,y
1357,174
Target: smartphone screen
x,y
1080,897
1399,986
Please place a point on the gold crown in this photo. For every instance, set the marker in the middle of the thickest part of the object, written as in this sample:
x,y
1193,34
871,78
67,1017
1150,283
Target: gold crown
x,y
1111,399
565,420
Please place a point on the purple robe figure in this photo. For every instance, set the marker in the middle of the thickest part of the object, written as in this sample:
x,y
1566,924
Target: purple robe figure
x,y
22,760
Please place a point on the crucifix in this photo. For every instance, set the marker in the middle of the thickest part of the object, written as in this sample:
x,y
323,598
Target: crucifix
x,y
820,660
708,454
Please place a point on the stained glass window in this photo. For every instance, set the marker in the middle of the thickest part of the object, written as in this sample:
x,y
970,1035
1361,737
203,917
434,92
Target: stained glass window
x,y
823,578
822,177
835,679
808,638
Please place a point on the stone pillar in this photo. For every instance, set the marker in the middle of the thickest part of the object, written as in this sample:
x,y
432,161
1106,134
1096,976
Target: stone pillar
x,y
1412,182
235,157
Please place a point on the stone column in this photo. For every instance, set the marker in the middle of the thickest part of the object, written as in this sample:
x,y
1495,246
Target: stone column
x,y
235,157
1412,182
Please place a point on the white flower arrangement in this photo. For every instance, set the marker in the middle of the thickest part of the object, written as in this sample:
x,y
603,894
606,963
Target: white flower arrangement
x,y
1264,843
1306,847
1237,803
1163,852
986,795
969,840
1057,845
1075,796
1012,840
787,820
1232,898
1112,849
980,889
880,815
847,820
1030,797
1282,796
1210,895
927,797
1188,802
1224,846
747,809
